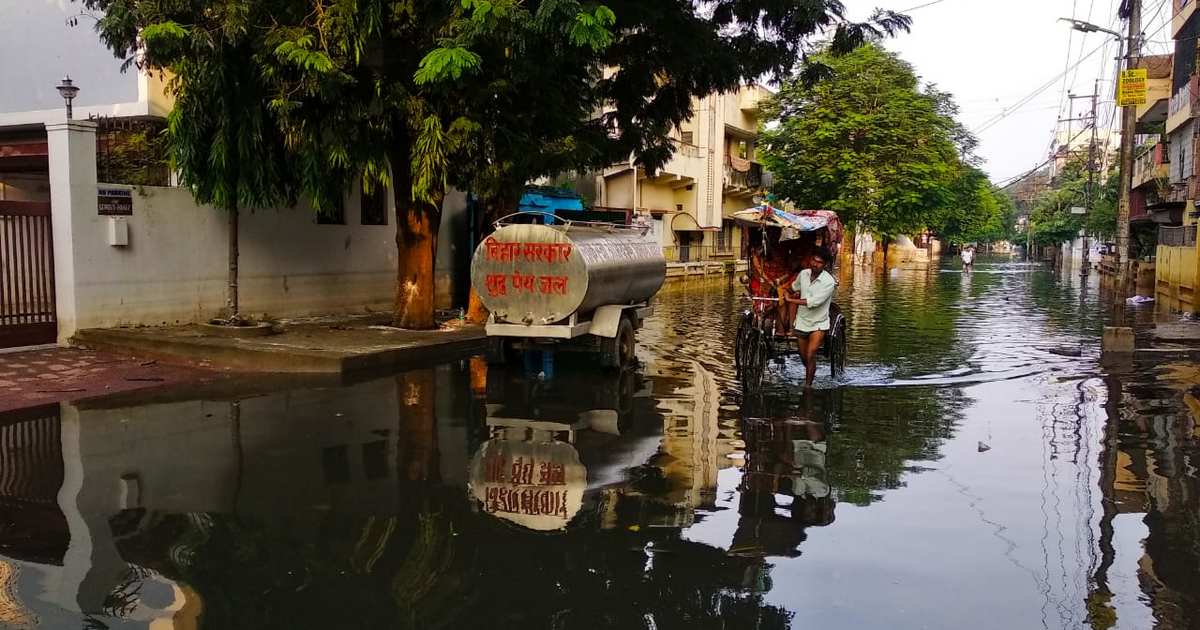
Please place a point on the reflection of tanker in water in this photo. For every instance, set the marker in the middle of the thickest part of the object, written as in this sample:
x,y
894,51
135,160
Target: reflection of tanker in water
x,y
541,429
527,476
785,488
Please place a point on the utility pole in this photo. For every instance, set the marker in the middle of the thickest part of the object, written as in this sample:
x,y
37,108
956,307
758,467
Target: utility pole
x,y
1090,119
1128,127
1091,187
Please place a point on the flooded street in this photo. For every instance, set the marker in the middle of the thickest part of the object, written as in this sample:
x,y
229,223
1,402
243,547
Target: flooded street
x,y
976,466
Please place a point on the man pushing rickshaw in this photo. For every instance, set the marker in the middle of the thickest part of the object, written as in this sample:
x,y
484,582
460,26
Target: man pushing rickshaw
x,y
791,286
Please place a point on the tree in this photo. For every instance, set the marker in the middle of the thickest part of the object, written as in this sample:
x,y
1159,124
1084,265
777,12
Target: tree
x,y
221,134
870,143
1051,219
423,94
980,213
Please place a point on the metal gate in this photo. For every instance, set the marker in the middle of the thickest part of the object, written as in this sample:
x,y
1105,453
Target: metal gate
x,y
26,274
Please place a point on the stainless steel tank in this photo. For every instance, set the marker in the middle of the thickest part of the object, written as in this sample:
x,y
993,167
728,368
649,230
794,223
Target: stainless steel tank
x,y
540,274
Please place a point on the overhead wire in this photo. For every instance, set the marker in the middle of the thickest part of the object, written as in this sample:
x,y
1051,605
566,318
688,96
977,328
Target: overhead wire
x,y
1032,95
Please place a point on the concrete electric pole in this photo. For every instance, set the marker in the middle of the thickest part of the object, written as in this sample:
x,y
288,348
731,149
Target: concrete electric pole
x,y
1128,128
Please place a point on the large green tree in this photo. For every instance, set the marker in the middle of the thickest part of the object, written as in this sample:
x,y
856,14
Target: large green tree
x,y
871,143
485,94
222,137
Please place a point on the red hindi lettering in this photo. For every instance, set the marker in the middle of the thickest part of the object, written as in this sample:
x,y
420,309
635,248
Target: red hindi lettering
x,y
523,282
522,471
497,284
493,469
559,285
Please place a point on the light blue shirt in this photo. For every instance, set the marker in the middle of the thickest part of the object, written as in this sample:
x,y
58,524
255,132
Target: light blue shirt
x,y
818,294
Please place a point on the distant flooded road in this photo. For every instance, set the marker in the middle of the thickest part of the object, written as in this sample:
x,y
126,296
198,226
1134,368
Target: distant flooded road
x,y
976,467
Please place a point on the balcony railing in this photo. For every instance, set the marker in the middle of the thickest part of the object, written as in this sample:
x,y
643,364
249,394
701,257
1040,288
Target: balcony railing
x,y
686,149
1151,164
752,179
699,253
1177,236
1185,97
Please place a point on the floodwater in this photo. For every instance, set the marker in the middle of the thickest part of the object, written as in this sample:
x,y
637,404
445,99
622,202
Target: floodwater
x,y
966,472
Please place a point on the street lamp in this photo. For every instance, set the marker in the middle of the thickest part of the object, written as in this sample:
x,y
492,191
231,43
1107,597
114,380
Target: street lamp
x,y
1088,27
68,90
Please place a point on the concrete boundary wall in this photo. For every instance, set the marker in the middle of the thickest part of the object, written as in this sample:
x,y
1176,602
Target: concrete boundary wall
x,y
174,268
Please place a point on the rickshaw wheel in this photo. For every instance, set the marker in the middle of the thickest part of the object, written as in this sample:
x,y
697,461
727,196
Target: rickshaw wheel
x,y
754,358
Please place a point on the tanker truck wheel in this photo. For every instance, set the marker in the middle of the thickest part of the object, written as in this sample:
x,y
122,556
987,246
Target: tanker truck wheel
x,y
618,352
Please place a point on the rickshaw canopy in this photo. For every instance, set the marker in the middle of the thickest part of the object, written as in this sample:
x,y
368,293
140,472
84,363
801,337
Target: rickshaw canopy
x,y
766,215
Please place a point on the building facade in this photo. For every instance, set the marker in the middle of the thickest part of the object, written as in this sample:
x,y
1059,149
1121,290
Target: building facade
x,y
714,172
1170,201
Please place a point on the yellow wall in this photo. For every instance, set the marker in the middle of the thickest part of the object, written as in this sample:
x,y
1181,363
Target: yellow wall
x,y
1175,277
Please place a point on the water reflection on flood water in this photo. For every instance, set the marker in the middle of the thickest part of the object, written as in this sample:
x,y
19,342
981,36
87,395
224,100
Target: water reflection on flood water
x,y
966,472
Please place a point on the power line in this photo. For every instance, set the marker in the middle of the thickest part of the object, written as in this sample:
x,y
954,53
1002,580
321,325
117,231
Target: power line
x,y
988,124
922,6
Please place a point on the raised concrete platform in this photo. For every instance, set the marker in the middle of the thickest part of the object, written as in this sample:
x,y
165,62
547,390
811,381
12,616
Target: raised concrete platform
x,y
1186,333
314,346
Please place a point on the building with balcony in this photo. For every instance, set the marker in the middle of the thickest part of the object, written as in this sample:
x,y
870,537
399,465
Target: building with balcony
x,y
1170,204
713,173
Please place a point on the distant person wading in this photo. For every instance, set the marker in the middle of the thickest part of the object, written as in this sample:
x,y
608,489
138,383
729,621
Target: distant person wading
x,y
968,258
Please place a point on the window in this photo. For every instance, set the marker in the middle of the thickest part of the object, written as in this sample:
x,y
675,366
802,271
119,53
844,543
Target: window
x,y
373,207
743,149
688,137
333,216
725,236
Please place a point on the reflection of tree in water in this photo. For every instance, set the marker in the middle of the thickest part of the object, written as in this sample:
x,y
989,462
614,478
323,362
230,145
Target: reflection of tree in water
x,y
914,320
875,433
442,567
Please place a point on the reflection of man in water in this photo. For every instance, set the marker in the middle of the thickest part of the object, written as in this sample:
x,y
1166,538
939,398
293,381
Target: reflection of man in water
x,y
784,458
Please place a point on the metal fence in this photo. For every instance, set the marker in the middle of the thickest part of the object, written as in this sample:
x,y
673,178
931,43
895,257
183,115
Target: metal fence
x,y
1178,236
699,253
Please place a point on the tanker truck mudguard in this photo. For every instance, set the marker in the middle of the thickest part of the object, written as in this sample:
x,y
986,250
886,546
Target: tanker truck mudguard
x,y
574,286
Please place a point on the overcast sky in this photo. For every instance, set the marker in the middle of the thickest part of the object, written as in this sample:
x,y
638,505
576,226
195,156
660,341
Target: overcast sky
x,y
992,54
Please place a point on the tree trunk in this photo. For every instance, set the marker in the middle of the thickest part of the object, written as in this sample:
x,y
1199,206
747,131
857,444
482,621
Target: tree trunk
x,y
493,210
231,297
417,224
417,444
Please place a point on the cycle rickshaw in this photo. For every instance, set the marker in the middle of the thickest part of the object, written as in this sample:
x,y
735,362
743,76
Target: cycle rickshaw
x,y
776,240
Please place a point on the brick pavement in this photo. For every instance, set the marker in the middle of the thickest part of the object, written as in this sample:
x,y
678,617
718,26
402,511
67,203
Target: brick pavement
x,y
45,376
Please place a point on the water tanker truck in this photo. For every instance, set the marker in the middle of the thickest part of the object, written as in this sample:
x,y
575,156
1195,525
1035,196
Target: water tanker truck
x,y
570,286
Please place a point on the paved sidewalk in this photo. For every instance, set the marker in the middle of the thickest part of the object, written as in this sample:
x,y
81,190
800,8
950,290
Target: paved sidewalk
x,y
40,377
323,345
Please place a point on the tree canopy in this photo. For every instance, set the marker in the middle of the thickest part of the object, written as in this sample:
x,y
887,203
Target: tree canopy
x,y
882,150
1051,221
420,95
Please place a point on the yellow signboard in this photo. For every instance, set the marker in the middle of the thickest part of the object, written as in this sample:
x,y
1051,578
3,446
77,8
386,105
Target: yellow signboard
x,y
1131,90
